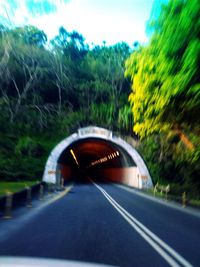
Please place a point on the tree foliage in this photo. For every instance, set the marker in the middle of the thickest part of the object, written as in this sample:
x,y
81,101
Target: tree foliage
x,y
165,97
165,74
47,92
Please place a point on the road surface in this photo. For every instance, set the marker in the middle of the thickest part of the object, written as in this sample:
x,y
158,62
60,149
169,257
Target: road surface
x,y
106,224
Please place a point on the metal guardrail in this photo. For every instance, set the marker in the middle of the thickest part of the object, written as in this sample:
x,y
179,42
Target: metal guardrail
x,y
162,189
183,199
8,206
24,197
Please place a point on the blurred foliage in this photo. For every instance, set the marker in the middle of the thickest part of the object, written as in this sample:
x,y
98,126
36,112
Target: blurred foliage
x,y
165,97
49,91
165,74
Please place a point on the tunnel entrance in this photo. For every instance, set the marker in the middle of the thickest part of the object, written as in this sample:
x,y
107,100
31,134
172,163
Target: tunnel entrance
x,y
94,157
96,153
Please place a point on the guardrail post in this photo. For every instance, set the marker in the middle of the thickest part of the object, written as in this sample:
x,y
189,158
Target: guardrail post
x,y
8,206
162,189
28,197
167,191
184,199
155,189
41,192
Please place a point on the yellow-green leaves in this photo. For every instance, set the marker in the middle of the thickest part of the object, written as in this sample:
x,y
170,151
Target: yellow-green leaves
x,y
165,74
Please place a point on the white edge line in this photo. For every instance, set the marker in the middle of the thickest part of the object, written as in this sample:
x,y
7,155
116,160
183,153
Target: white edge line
x,y
136,224
155,237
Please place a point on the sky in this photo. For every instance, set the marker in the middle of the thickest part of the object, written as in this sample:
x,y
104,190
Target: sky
x,y
97,20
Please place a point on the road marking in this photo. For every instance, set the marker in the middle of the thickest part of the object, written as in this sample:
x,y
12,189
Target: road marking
x,y
62,194
159,245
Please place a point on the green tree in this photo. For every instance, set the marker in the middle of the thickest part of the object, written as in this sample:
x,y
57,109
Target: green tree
x,y
47,93
30,35
165,74
165,97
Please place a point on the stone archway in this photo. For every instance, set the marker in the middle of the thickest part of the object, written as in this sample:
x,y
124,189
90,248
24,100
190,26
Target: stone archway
x,y
140,173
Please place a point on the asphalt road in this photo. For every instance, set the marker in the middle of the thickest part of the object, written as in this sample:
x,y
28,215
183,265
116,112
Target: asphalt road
x,y
104,223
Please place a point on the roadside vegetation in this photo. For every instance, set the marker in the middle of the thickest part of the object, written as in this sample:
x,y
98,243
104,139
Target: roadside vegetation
x,y
50,89
13,187
165,97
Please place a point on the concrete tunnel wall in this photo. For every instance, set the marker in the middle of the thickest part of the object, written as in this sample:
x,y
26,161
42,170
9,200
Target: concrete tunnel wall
x,y
138,176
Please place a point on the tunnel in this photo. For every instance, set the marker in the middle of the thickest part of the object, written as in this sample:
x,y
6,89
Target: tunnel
x,y
96,153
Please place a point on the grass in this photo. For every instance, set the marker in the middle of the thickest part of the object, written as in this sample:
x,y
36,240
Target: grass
x,y
14,186
195,202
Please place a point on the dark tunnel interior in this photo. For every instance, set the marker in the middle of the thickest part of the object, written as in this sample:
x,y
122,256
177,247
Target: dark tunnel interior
x,y
96,158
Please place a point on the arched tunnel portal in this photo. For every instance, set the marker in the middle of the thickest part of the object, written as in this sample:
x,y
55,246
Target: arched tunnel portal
x,y
97,153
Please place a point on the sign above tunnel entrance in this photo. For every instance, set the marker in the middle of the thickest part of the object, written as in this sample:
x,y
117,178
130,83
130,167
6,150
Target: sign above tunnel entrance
x,y
87,131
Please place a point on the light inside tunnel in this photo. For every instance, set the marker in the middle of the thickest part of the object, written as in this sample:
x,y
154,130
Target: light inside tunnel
x,y
104,159
74,156
89,152
96,158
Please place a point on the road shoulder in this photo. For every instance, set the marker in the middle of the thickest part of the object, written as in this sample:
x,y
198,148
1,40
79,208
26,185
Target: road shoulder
x,y
168,203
